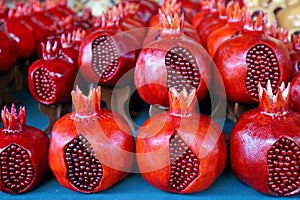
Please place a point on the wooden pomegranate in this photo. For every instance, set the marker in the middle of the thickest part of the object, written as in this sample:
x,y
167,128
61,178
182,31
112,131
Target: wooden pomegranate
x,y
265,145
180,151
91,149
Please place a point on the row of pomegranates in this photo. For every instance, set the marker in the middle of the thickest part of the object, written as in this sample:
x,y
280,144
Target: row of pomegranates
x,y
180,150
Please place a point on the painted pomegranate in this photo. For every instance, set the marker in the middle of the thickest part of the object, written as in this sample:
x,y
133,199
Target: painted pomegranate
x,y
265,141
23,153
180,151
294,98
90,148
7,54
51,78
107,54
233,26
173,60
22,34
249,58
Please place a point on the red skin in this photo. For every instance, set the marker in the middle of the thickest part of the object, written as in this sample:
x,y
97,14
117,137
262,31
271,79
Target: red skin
x,y
151,73
207,20
252,137
23,35
294,101
217,37
153,154
112,131
191,8
31,139
126,46
8,57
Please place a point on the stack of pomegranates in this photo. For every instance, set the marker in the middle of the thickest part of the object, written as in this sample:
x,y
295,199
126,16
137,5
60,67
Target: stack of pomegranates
x,y
174,54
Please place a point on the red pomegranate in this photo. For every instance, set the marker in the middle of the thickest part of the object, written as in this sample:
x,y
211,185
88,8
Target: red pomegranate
x,y
295,53
294,98
173,60
233,26
180,151
7,54
51,78
265,141
205,7
22,34
23,153
91,149
249,58
107,54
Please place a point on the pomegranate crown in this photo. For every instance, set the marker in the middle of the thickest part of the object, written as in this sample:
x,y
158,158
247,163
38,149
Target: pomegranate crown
x,y
86,106
67,40
50,51
13,122
254,25
234,12
277,32
274,104
78,34
110,19
171,7
171,24
296,41
182,103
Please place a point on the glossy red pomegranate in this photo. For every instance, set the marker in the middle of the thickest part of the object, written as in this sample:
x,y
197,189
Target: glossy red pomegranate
x,y
51,78
22,34
295,53
7,54
173,60
205,9
249,58
265,145
23,153
91,149
294,98
232,28
180,151
107,54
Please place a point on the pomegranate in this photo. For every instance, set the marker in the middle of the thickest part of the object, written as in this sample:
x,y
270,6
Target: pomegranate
x,y
90,148
107,54
205,8
173,60
249,58
295,53
230,29
51,78
22,34
180,151
265,141
23,153
294,101
3,9
7,56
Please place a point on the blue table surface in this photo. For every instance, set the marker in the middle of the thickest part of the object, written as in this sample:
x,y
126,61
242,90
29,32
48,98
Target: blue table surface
x,y
227,186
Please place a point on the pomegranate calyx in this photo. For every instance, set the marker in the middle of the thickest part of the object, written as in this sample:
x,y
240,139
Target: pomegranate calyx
x,y
171,24
86,106
274,104
67,40
256,25
78,35
50,51
13,122
296,41
171,7
182,103
234,12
